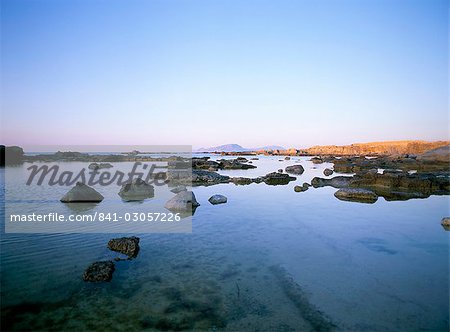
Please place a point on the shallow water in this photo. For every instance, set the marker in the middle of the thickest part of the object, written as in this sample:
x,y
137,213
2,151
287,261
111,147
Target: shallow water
x,y
382,266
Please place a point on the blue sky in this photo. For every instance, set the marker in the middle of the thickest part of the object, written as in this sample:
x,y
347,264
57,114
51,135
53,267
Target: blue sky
x,y
285,72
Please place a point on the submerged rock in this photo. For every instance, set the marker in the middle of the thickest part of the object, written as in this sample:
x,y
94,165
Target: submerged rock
x,y
136,190
99,271
182,202
217,199
356,195
295,169
82,193
327,172
126,245
445,222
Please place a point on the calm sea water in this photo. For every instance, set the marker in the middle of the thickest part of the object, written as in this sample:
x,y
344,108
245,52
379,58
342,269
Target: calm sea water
x,y
382,266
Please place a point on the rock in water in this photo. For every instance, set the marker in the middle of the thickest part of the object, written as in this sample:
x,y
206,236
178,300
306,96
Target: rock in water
x,y
136,190
126,245
356,195
275,179
295,169
182,202
241,180
304,187
327,172
445,222
99,271
201,177
178,189
217,199
82,193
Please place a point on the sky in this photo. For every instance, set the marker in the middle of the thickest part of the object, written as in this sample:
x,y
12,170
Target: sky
x,y
209,72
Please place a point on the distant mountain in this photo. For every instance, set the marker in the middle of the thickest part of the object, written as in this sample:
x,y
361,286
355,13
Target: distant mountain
x,y
237,148
269,147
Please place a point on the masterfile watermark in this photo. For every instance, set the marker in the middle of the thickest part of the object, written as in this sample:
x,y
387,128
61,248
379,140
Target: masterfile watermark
x,y
52,176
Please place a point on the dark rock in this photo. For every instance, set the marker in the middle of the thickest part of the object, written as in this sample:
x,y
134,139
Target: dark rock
x,y
200,177
327,172
95,166
11,155
136,190
445,222
336,182
317,160
217,199
233,164
280,171
295,169
241,181
275,179
356,195
304,187
82,193
126,245
204,163
99,271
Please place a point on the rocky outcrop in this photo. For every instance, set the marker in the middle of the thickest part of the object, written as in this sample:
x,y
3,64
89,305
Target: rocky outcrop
x,y
82,193
136,190
274,179
356,195
403,162
327,172
295,169
99,271
392,185
217,199
377,148
125,245
11,155
184,201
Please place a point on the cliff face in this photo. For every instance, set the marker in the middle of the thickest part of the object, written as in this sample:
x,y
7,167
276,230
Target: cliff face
x,y
381,148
